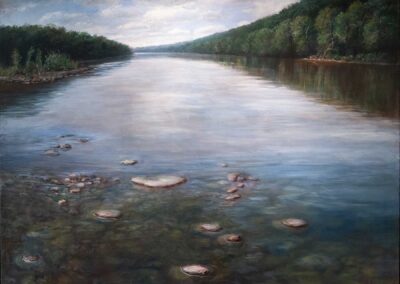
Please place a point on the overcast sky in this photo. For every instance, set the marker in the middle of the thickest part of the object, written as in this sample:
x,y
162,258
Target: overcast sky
x,y
140,22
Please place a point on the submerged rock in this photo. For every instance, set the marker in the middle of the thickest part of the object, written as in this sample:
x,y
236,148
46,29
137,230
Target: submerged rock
x,y
51,152
74,190
80,185
159,181
83,140
210,227
240,185
62,202
108,214
65,146
30,258
195,270
232,190
128,162
230,238
233,176
232,197
223,165
294,223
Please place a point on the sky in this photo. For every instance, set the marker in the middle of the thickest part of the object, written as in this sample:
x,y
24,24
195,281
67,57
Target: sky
x,y
140,22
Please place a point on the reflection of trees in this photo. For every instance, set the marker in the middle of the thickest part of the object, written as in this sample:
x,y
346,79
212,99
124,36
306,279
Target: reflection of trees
x,y
372,88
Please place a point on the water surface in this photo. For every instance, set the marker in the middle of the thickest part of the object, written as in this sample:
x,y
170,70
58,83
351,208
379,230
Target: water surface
x,y
322,139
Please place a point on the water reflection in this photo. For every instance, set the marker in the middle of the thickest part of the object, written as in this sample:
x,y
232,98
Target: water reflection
x,y
368,88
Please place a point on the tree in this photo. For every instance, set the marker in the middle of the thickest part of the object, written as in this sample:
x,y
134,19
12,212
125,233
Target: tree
x,y
324,24
303,35
16,60
283,41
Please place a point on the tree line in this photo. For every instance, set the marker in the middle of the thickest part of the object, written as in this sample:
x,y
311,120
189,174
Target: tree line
x,y
31,48
339,29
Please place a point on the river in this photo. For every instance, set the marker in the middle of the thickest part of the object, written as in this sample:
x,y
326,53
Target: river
x,y
323,140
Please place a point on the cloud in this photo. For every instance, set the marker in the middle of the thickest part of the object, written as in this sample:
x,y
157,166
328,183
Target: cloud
x,y
140,22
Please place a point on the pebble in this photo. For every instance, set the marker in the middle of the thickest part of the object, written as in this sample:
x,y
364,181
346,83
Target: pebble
x,y
108,214
232,190
55,189
195,270
159,181
65,146
233,176
128,162
294,223
214,227
233,197
230,238
30,258
75,190
80,185
62,202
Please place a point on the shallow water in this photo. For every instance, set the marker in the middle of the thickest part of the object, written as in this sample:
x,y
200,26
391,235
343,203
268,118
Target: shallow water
x,y
323,140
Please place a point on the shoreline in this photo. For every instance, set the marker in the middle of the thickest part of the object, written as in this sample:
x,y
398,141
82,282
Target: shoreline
x,y
341,61
45,77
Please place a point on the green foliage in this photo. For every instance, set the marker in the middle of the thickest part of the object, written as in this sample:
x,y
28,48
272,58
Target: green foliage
x,y
29,64
50,39
15,59
58,62
324,24
331,28
303,35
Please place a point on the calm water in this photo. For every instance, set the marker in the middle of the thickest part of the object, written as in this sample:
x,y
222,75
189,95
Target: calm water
x,y
322,139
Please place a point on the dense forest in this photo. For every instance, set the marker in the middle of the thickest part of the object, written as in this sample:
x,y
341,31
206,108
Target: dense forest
x,y
32,48
338,29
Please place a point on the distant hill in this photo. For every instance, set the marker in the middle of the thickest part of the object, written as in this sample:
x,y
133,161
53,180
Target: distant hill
x,y
338,29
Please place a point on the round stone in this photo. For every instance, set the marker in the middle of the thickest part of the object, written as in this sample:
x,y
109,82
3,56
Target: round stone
x,y
128,162
210,227
195,270
159,181
108,214
233,176
294,223
232,190
83,140
233,197
30,258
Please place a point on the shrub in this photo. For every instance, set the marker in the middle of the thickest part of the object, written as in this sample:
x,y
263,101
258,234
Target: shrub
x,y
58,62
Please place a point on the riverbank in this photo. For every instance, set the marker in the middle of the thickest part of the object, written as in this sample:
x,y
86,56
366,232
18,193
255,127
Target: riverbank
x,y
314,59
44,76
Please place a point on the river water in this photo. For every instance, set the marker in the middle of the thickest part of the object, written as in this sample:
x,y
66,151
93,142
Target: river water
x,y
322,139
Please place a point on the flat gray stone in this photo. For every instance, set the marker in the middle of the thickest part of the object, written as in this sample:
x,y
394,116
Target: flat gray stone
x,y
159,181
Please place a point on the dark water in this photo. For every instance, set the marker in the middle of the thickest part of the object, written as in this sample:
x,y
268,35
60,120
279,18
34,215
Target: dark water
x,y
322,139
